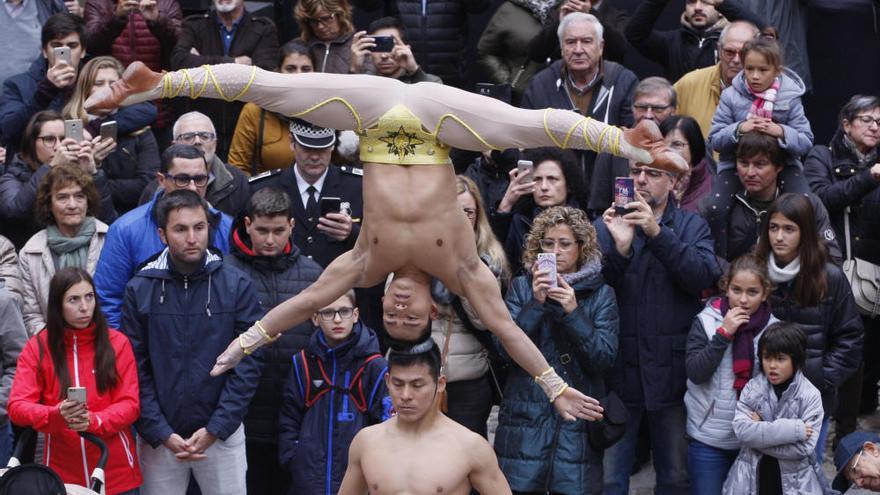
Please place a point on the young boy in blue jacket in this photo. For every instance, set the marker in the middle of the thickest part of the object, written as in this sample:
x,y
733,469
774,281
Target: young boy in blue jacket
x,y
336,388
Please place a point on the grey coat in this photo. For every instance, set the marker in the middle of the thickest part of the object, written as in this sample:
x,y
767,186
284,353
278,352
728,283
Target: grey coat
x,y
788,112
781,433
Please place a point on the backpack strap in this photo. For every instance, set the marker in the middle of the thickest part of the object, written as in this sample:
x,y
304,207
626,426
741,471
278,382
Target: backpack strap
x,y
356,389
314,370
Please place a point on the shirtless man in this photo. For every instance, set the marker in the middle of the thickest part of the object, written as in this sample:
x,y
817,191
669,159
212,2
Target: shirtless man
x,y
412,225
419,450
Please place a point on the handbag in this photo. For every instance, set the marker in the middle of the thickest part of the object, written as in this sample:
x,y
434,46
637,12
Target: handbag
x,y
863,277
604,432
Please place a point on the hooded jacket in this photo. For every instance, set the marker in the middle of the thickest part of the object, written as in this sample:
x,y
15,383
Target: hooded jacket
x,y
684,49
710,398
781,433
275,279
788,112
178,324
130,241
527,422
313,442
35,397
842,181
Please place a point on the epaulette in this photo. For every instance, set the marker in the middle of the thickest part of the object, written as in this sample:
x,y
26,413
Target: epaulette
x,y
350,170
194,17
268,173
263,19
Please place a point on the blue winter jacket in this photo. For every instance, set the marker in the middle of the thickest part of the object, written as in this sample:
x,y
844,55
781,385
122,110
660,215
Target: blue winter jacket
x,y
788,112
527,422
313,443
178,325
21,101
131,240
658,291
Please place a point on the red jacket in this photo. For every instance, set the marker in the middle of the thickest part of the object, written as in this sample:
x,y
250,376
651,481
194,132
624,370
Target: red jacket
x,y
34,402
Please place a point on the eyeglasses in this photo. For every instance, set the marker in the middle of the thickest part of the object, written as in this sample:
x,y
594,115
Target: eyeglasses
x,y
730,53
330,314
183,180
324,19
654,108
49,140
470,212
652,173
550,244
868,120
188,137
678,145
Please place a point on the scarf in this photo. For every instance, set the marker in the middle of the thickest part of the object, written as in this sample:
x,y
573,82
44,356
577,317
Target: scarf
x,y
762,105
540,9
590,268
744,343
786,274
71,251
864,159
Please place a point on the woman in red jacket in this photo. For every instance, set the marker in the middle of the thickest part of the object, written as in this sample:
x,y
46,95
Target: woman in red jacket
x,y
76,349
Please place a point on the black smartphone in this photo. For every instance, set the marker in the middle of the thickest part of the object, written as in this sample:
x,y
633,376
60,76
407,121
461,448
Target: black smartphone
x,y
383,44
108,130
330,205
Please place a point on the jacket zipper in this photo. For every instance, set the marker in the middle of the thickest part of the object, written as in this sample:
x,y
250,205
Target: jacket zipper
x,y
82,442
709,412
328,483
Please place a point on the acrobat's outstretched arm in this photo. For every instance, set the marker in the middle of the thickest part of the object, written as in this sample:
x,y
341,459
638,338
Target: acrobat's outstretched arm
x,y
458,118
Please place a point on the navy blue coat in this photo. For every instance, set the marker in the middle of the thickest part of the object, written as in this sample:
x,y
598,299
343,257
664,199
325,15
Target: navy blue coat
x,y
178,325
658,291
313,443
21,101
527,422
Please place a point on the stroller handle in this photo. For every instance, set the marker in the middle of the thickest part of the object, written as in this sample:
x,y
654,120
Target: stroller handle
x,y
98,472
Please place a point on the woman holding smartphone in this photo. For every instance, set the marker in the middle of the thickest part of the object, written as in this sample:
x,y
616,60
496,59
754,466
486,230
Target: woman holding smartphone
x,y
77,350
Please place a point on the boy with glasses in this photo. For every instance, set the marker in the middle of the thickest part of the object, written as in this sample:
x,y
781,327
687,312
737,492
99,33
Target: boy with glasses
x,y
336,388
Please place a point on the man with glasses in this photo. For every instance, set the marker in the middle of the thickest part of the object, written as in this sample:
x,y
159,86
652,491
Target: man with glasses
x,y
226,34
700,90
336,385
857,459
227,189
134,237
659,258
262,247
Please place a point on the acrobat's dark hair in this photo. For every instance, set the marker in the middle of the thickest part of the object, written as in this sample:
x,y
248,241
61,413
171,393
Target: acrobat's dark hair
x,y
425,352
784,338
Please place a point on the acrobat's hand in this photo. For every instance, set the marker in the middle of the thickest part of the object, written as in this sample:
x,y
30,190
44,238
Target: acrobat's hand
x,y
573,405
230,357
646,136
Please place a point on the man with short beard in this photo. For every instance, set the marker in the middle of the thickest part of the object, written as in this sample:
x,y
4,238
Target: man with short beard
x,y
226,34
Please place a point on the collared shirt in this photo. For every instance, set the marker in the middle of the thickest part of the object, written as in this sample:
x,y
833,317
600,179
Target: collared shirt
x,y
227,35
302,185
14,9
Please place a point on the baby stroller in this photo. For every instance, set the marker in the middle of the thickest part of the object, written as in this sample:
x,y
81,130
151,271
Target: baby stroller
x,y
37,479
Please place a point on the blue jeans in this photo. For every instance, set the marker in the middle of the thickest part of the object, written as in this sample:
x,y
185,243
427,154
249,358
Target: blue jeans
x,y
823,437
6,444
668,444
708,467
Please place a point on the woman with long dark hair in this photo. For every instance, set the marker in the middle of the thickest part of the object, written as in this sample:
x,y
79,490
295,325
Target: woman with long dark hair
x,y
814,293
77,349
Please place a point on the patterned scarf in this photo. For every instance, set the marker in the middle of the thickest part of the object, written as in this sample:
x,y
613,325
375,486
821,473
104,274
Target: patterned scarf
x,y
539,8
762,105
744,343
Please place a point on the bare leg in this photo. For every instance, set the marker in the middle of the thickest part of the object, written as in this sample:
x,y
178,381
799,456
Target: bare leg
x,y
343,274
458,118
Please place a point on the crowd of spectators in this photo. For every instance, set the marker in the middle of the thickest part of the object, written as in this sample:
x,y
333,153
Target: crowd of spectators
x,y
716,306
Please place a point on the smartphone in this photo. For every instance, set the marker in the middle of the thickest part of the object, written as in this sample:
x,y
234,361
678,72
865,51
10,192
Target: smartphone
x,y
501,92
108,130
624,193
73,129
76,394
525,168
62,53
330,205
384,44
547,263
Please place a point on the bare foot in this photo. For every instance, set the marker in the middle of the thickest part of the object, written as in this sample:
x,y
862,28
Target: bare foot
x,y
647,136
138,84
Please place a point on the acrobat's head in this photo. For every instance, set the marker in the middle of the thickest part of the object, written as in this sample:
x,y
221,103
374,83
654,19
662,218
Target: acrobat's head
x,y
408,308
414,379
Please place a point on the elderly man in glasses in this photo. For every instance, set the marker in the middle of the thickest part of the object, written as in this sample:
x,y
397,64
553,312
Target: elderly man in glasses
x,y
134,237
857,460
227,188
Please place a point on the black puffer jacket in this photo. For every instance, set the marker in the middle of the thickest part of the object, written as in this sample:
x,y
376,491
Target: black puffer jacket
x,y
437,32
131,166
275,280
840,180
834,333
